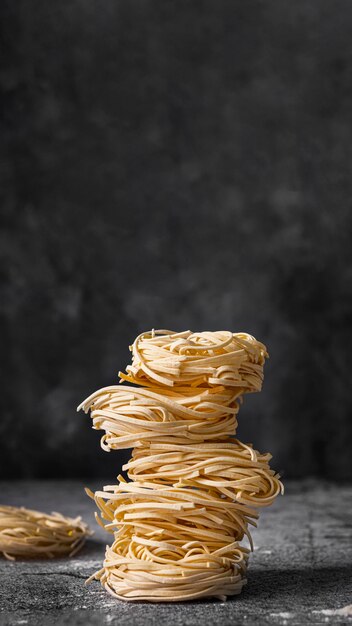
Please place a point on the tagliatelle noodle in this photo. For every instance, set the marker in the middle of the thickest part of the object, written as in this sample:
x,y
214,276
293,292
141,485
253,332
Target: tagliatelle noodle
x,y
194,489
184,512
132,416
25,533
210,358
139,568
235,469
172,544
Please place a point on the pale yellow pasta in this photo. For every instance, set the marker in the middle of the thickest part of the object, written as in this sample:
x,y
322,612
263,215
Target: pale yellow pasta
x,y
172,544
184,512
235,469
168,358
31,534
194,489
139,568
132,416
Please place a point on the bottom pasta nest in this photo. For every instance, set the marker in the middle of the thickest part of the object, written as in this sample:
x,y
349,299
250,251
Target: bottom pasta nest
x,y
171,543
137,568
178,523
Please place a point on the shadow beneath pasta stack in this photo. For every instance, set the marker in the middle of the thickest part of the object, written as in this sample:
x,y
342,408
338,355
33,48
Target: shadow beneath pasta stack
x,y
92,548
322,583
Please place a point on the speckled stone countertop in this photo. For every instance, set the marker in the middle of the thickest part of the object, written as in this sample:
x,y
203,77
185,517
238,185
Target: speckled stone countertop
x,y
300,572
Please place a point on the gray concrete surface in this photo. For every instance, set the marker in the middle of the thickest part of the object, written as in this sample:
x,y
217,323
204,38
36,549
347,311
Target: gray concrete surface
x,y
300,572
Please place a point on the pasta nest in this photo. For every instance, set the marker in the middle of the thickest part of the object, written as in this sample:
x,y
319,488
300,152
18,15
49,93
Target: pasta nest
x,y
233,468
31,534
132,416
158,569
172,544
207,358
182,512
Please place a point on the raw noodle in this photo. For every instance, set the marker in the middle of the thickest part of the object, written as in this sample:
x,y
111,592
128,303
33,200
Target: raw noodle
x,y
139,568
194,489
235,469
132,416
32,534
212,358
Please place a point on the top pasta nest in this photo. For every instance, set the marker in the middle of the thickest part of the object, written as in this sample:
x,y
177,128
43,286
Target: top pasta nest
x,y
187,359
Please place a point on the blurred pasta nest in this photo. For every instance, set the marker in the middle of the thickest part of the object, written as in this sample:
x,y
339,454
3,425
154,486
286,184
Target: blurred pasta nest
x,y
25,533
194,489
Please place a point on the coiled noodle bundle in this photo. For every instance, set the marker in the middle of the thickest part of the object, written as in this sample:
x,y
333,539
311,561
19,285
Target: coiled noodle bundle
x,y
132,416
138,568
32,534
236,470
211,358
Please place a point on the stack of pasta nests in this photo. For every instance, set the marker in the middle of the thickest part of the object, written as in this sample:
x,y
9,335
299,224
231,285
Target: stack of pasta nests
x,y
194,489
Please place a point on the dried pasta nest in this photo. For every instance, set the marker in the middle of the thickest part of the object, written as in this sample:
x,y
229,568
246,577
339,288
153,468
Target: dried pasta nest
x,y
182,513
172,359
25,533
135,416
169,569
233,468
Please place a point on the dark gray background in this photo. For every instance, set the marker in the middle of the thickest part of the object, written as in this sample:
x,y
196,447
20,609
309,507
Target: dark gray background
x,y
175,165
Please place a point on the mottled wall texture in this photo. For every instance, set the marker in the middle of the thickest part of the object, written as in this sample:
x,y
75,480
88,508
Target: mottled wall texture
x,y
182,164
